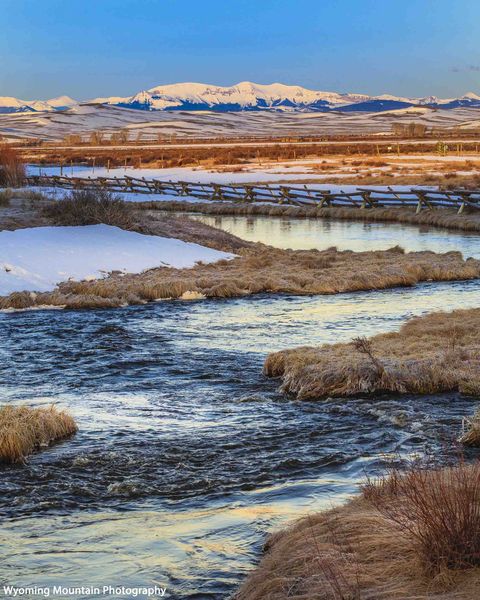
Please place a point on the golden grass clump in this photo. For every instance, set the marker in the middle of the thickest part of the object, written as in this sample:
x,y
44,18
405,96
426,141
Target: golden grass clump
x,y
24,430
411,536
438,352
261,269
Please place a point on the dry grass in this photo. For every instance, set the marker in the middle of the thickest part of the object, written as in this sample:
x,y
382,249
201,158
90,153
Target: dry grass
x,y
12,168
91,207
412,536
436,353
471,429
24,430
261,269
444,218
23,212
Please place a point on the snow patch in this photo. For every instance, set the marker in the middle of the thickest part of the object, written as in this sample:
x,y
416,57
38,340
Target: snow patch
x,y
39,258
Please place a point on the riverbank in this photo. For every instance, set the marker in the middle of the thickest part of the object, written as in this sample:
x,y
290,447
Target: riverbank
x,y
436,353
258,269
396,540
30,209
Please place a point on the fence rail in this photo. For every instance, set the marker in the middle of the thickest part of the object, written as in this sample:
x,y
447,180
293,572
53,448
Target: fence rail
x,y
417,198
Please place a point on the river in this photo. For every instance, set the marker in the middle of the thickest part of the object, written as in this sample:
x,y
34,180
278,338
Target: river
x,y
186,455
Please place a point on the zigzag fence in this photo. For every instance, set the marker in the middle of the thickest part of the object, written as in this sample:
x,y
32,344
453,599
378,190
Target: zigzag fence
x,y
363,198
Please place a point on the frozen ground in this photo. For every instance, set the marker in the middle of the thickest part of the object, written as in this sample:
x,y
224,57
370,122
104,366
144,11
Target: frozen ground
x,y
39,258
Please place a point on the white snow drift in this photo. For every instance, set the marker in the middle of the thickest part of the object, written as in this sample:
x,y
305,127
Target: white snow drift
x,y
37,259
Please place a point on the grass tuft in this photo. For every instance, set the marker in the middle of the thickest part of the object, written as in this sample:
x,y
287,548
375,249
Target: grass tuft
x,y
24,430
471,430
5,197
91,207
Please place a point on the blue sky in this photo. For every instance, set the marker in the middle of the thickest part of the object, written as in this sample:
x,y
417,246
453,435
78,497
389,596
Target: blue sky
x,y
88,48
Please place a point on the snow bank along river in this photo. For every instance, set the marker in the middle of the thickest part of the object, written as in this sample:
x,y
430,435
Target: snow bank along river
x,y
186,456
37,259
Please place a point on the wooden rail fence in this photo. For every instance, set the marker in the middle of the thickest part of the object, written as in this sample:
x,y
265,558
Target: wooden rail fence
x,y
298,195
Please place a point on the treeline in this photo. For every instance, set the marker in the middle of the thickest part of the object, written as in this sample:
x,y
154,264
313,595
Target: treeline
x,y
410,130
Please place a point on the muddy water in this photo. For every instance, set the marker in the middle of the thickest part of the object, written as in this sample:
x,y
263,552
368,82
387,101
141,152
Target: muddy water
x,y
186,455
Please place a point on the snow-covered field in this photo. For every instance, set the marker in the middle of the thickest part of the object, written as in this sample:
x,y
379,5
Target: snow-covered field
x,y
190,174
148,124
37,259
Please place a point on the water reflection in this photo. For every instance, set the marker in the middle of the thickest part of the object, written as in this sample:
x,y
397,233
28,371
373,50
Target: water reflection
x,y
317,233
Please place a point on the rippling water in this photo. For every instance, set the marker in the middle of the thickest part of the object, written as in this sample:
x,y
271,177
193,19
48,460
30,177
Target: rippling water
x,y
186,455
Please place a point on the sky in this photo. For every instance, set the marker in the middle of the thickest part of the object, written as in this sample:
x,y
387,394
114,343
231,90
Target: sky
x,y
89,48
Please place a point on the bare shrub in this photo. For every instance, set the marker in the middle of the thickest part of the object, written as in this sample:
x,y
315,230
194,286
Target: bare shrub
x,y
5,197
91,207
439,509
364,345
24,430
12,168
471,430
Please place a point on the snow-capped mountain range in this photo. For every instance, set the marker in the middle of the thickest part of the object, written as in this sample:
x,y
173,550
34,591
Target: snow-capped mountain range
x,y
14,105
245,96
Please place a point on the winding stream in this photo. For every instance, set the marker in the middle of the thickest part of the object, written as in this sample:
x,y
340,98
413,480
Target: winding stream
x,y
186,455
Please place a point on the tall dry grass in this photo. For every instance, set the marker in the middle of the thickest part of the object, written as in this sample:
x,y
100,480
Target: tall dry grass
x,y
24,430
91,207
12,167
411,536
435,353
261,269
437,509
